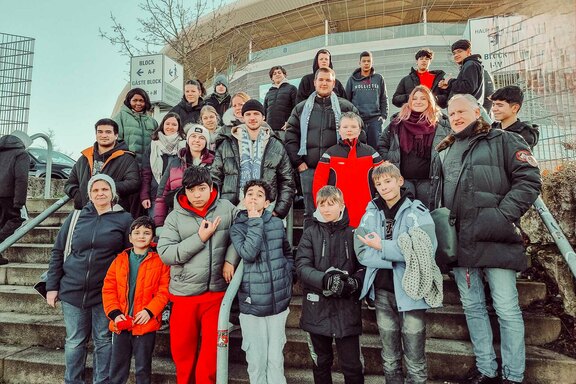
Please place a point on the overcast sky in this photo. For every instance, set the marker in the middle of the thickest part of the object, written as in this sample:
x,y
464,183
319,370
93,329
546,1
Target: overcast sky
x,y
77,76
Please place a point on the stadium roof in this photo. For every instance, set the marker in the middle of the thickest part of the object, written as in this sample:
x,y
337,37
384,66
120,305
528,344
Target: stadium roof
x,y
224,36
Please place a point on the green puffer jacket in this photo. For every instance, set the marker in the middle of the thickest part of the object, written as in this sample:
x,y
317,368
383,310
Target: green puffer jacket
x,y
136,130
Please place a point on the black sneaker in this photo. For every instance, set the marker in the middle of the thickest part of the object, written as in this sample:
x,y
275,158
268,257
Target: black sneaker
x,y
370,304
475,377
3,260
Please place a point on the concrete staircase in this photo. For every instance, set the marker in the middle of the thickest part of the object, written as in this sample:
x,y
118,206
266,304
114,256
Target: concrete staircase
x,y
32,334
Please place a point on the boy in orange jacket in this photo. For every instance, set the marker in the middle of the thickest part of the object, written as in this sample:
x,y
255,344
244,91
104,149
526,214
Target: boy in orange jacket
x,y
134,294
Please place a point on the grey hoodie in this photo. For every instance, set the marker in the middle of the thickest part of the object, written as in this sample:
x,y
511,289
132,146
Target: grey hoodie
x,y
368,94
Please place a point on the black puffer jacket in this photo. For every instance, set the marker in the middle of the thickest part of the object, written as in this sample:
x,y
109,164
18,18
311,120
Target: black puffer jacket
x,y
528,131
15,167
187,112
499,181
321,130
96,241
409,82
120,165
324,245
266,287
278,104
470,79
220,104
276,169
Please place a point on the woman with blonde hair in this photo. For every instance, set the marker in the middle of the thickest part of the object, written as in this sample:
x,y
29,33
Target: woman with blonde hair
x,y
410,138
233,116
210,119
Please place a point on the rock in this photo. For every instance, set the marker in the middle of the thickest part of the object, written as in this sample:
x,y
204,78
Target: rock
x,y
557,269
36,187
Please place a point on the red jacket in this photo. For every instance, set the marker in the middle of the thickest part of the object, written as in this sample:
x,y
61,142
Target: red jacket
x,y
151,290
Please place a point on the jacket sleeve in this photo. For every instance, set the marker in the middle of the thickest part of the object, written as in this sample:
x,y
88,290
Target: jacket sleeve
x,y
130,182
161,296
303,90
441,94
120,122
525,181
307,272
146,176
383,99
349,89
286,185
217,168
174,250
293,138
266,105
293,93
289,255
72,186
248,243
160,206
366,255
110,292
56,265
384,142
339,90
468,80
400,96
231,254
21,170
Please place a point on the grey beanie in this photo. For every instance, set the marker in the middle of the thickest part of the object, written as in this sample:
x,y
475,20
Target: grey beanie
x,y
107,179
221,79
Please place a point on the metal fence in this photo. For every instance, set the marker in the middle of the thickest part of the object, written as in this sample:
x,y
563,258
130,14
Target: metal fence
x,y
16,55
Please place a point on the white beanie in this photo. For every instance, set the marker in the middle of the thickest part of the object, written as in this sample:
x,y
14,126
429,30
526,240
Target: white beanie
x,y
191,128
108,180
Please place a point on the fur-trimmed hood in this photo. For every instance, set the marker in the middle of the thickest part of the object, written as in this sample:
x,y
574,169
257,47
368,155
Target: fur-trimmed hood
x,y
481,128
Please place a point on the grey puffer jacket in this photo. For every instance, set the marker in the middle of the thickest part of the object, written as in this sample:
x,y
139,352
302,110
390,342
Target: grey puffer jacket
x,y
498,183
266,287
276,168
195,266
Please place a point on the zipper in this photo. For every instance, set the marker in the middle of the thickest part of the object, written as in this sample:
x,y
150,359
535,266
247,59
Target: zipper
x,y
87,277
323,248
269,270
209,262
346,247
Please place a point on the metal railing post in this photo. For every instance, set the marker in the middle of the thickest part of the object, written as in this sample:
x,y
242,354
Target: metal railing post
x,y
48,176
223,321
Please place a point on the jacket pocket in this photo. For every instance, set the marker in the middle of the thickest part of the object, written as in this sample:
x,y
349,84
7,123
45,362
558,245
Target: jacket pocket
x,y
492,226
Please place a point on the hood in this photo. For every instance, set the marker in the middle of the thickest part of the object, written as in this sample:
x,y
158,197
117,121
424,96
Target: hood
x,y
8,142
129,111
235,131
481,127
357,75
285,81
522,126
315,63
229,119
476,58
183,205
342,222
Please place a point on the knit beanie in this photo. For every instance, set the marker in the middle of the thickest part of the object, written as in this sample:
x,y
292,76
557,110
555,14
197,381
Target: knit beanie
x,y
105,178
191,128
461,44
252,105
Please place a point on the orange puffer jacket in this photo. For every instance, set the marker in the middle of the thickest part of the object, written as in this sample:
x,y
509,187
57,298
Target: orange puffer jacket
x,y
151,290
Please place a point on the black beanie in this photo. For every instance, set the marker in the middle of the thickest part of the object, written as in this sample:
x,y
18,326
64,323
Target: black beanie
x,y
461,44
252,105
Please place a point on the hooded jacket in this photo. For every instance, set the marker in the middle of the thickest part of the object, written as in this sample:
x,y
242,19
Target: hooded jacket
x,y
195,266
412,213
172,181
96,241
306,86
409,82
470,79
220,102
278,103
276,168
151,291
15,167
325,245
120,165
188,113
499,180
368,94
529,132
321,130
135,129
266,287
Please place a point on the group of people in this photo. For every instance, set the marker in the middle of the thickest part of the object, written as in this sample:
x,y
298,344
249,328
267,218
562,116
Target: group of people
x,y
219,180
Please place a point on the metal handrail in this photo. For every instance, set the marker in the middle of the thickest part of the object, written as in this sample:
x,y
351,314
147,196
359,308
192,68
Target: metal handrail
x,y
31,224
223,322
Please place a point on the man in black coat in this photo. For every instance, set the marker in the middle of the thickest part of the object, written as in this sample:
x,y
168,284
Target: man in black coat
x,y
13,185
279,100
107,156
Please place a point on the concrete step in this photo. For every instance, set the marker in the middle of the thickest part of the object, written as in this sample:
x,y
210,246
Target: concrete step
x,y
24,299
40,365
54,220
449,322
40,235
39,205
21,273
28,253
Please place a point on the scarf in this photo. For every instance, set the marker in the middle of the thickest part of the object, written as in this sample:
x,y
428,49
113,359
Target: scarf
x,y
305,119
416,134
251,154
165,145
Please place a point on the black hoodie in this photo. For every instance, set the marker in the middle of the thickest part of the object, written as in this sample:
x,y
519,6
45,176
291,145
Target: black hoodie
x,y
188,113
15,167
528,131
470,79
306,86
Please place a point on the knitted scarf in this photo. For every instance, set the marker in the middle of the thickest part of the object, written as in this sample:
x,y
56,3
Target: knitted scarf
x,y
165,145
416,134
305,119
251,154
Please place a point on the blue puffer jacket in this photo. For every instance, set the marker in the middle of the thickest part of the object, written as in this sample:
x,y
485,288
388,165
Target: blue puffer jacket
x,y
410,214
266,287
96,241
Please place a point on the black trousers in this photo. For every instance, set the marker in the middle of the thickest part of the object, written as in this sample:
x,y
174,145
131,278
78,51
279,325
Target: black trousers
x,y
348,349
124,345
10,219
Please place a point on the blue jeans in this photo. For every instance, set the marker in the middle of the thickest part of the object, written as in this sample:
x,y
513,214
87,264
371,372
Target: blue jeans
x,y
373,130
505,301
79,324
401,333
124,346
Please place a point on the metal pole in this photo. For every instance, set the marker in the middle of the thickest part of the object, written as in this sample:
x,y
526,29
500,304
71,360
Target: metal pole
x,y
48,176
559,238
223,320
326,30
